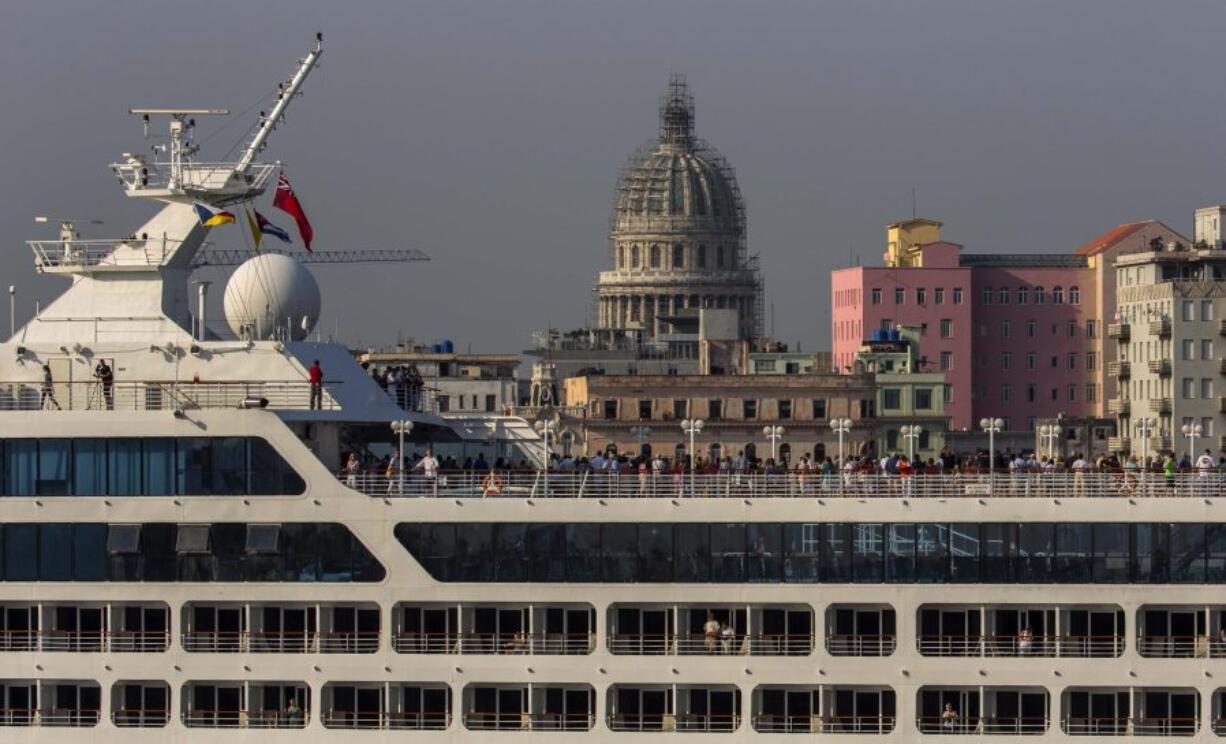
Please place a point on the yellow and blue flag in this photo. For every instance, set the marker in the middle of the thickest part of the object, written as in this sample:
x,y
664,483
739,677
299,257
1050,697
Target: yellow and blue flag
x,y
212,216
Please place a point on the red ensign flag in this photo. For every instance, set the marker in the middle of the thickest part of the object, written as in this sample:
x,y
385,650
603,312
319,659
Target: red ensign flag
x,y
285,200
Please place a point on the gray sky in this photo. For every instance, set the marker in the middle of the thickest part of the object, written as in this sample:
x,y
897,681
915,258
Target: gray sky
x,y
489,134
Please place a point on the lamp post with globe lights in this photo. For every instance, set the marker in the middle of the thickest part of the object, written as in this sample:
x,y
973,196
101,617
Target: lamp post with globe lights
x,y
401,428
1049,433
1191,431
546,428
692,427
992,426
774,434
912,434
840,426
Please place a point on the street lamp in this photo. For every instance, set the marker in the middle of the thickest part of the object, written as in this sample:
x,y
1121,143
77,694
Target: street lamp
x,y
1049,433
773,433
1191,431
1145,429
840,426
546,427
401,428
692,427
911,434
640,433
992,427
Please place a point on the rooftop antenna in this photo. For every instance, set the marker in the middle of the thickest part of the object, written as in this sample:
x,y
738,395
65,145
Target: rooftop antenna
x,y
913,211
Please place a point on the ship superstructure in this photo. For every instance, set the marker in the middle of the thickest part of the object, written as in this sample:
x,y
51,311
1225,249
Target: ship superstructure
x,y
185,556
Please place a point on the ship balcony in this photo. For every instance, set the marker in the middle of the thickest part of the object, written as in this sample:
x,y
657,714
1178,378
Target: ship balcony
x,y
99,256
860,630
536,707
804,709
58,703
211,181
161,395
1160,405
1021,631
674,708
1120,369
1119,331
1160,328
140,704
1160,367
982,711
1118,406
1119,444
1139,711
381,705
280,628
246,705
1181,631
560,630
86,627
710,630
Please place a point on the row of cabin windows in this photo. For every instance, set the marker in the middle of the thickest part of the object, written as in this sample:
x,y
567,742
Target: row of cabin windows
x,y
680,408
653,256
145,466
232,552
1022,553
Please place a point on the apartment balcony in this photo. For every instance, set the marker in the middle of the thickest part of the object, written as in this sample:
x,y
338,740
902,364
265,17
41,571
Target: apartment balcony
x,y
1118,406
1221,328
1160,405
1119,331
1221,405
1221,366
1160,367
1119,369
1119,444
1160,328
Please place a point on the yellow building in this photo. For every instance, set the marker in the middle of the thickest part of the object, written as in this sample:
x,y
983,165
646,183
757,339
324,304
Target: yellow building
x,y
904,239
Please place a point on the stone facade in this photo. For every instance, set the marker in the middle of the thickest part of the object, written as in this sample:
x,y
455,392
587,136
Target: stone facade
x,y
734,410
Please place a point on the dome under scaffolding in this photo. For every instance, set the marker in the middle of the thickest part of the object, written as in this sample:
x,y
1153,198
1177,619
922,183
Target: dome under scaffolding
x,y
678,237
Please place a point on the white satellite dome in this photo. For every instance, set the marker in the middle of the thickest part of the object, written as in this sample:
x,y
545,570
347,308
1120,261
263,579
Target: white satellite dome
x,y
271,296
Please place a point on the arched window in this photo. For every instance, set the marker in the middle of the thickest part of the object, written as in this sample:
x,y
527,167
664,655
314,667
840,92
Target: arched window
x,y
1040,296
1057,295
1074,295
678,255
655,256
702,257
634,257
621,256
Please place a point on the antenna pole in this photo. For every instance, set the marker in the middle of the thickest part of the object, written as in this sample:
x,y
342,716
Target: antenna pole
x,y
270,121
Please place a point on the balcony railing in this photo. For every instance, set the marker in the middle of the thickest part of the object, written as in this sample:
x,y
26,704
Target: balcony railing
x,y
768,723
540,644
139,177
1012,645
813,724
1160,327
1160,367
838,724
199,641
1130,726
1182,647
1118,406
1160,405
1119,369
242,719
673,722
700,645
160,395
67,256
860,645
1120,331
599,485
397,721
954,725
57,717
1119,444
528,721
139,718
115,641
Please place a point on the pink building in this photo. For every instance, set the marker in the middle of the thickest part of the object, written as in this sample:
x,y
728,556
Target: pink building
x,y
1020,337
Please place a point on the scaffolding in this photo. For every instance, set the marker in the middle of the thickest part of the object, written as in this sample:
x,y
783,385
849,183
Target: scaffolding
x,y
677,182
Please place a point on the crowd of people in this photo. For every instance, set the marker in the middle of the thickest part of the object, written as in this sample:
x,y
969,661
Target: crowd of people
x,y
402,381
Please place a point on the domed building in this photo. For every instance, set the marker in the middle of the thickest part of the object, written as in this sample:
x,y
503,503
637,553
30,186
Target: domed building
x,y
678,235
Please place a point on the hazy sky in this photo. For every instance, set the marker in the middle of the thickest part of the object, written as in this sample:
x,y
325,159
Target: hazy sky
x,y
489,134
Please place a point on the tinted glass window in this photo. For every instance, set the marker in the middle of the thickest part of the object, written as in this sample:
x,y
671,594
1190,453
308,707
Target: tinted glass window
x,y
727,553
1112,558
89,557
931,553
693,551
55,552
583,552
20,552
1187,553
655,552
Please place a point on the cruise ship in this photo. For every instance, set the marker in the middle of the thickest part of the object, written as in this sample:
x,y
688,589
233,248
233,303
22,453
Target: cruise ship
x,y
185,558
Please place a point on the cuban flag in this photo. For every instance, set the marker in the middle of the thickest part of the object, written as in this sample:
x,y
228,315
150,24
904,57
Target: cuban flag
x,y
260,226
285,200
211,216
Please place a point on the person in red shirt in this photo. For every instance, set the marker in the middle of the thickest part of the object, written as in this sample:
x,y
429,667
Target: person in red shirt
x,y
316,376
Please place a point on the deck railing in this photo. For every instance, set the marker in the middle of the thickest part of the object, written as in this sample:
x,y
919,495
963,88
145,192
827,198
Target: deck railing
x,y
349,719
1173,647
603,485
673,644
139,718
538,644
1078,726
283,642
975,725
860,645
57,717
475,721
1068,646
160,395
116,641
244,719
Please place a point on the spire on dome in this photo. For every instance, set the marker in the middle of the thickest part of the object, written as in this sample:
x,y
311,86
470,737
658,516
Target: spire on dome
x,y
677,113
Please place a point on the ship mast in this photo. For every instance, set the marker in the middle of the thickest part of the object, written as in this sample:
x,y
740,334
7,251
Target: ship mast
x,y
288,91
